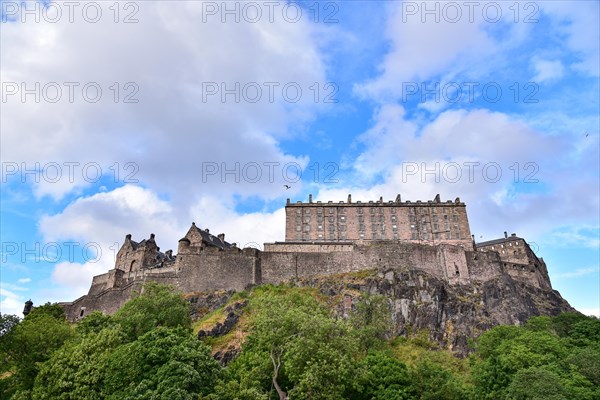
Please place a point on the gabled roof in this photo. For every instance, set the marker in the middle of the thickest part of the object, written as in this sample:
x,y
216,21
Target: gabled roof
x,y
210,239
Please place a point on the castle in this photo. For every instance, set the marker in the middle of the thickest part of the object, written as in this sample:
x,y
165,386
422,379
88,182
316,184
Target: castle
x,y
321,239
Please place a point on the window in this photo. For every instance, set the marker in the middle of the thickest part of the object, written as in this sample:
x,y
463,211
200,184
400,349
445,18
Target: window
x,y
413,236
319,211
330,211
360,210
306,228
455,218
393,210
372,211
298,228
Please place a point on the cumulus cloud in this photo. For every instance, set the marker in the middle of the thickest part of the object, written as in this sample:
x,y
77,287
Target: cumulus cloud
x,y
547,70
103,219
168,62
511,176
11,301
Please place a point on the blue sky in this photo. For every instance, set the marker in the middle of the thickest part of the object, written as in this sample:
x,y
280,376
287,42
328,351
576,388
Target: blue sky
x,y
145,117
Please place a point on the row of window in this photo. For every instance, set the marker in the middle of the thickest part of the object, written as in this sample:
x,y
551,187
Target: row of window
x,y
373,210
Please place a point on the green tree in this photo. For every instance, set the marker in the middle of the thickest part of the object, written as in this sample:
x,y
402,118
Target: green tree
x,y
295,348
31,342
7,323
77,370
157,305
430,381
94,323
372,322
536,384
381,376
164,363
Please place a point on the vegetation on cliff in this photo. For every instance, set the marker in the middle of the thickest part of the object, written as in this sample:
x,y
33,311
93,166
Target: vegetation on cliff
x,y
288,344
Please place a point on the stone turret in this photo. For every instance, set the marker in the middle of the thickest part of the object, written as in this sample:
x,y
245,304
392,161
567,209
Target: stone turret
x,y
28,307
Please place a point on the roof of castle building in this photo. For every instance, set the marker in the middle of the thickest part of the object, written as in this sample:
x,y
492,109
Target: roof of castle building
x,y
212,240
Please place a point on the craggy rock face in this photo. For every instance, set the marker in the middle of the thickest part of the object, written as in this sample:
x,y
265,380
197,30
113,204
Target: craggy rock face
x,y
451,313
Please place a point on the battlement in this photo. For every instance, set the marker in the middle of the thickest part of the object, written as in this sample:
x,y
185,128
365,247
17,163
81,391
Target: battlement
x,y
436,202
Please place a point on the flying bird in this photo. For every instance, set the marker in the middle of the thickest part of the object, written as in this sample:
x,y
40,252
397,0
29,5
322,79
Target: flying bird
x,y
287,187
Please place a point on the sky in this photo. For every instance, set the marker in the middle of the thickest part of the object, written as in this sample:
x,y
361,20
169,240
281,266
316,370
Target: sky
x,y
140,117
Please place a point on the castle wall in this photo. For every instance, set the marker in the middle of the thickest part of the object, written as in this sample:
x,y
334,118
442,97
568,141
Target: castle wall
x,y
279,265
107,301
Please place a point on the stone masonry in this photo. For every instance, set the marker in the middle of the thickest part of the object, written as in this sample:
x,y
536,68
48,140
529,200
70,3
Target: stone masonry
x,y
432,237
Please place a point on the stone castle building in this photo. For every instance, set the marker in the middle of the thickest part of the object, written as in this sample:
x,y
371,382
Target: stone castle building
x,y
321,239
432,222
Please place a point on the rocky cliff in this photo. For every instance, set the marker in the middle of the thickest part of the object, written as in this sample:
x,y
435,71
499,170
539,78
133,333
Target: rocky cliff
x,y
450,314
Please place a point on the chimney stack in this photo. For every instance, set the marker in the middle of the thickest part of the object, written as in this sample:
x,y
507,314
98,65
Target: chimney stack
x,y
505,234
398,199
310,198
128,236
349,198
169,253
152,236
221,237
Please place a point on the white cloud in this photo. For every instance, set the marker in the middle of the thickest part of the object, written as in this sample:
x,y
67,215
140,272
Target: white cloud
x,y
577,273
171,56
105,218
24,280
576,23
590,311
74,279
10,301
547,70
421,162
